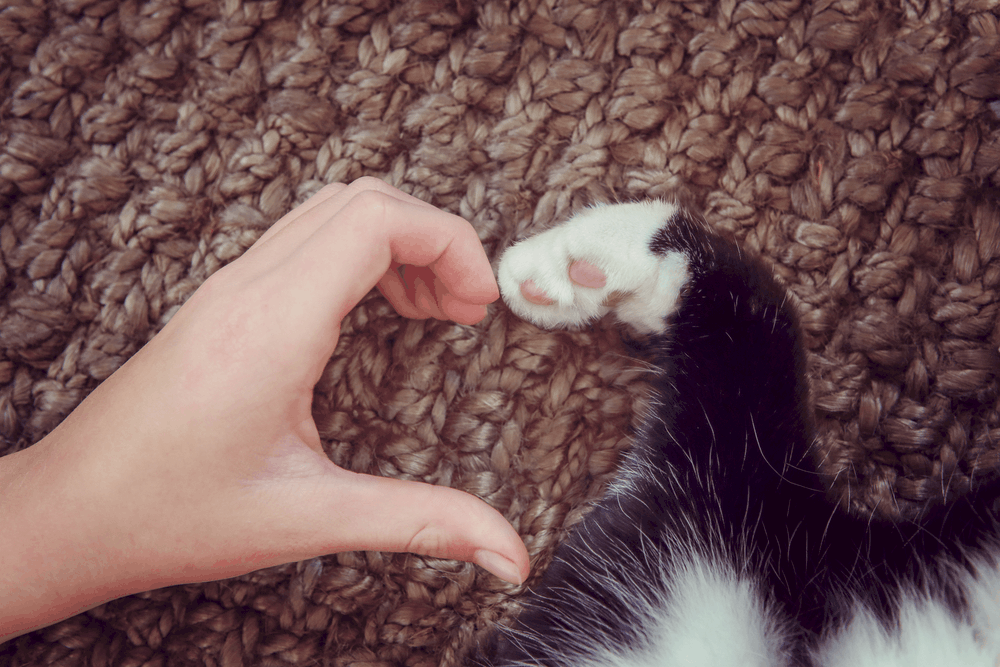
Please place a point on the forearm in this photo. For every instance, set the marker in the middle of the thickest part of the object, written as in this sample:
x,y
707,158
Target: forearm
x,y
57,558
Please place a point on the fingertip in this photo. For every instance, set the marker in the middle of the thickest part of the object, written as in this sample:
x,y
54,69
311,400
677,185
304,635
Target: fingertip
x,y
489,292
461,311
456,524
494,293
492,290
465,270
501,566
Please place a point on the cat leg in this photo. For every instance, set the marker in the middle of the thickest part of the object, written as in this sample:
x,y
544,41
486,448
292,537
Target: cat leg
x,y
600,260
709,487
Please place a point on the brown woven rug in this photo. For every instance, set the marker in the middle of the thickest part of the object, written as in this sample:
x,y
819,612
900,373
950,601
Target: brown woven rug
x,y
144,144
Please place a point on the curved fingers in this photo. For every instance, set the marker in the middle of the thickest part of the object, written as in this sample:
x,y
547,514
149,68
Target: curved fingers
x,y
372,232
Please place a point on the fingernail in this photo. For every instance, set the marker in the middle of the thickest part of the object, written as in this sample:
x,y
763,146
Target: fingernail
x,y
423,296
498,565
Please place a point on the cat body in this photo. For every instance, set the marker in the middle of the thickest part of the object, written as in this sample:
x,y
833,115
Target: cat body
x,y
717,544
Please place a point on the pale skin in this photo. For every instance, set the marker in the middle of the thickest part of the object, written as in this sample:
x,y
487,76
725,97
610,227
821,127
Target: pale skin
x,y
199,458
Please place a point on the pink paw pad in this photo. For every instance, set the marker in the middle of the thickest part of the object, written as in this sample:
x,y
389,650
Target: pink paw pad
x,y
586,274
531,292
582,273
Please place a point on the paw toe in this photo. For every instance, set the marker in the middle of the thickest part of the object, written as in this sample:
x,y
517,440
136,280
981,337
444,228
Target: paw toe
x,y
585,274
533,294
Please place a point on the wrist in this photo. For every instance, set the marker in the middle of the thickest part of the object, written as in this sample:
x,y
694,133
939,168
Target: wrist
x,y
60,558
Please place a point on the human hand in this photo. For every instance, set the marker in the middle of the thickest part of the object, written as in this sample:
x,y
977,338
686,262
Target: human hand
x,y
199,458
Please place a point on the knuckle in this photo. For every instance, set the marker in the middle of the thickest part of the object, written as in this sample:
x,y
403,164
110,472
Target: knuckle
x,y
428,541
370,183
331,189
374,204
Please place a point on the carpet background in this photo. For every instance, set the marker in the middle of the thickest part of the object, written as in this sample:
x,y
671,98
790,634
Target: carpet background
x,y
853,143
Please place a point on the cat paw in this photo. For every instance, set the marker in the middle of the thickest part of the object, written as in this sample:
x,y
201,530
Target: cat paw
x,y
601,260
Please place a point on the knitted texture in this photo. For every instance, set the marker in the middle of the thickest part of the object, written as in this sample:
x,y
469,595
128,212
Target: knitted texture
x,y
855,144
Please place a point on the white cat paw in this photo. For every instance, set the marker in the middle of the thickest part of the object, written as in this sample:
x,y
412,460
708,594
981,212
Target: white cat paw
x,y
598,261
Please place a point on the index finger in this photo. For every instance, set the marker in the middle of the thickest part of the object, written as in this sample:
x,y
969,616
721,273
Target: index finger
x,y
353,249
304,219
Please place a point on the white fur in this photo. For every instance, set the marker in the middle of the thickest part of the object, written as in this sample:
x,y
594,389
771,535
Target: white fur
x,y
708,617
615,238
715,618
984,601
928,635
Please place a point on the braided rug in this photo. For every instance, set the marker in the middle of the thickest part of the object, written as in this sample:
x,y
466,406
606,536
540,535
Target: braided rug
x,y
143,144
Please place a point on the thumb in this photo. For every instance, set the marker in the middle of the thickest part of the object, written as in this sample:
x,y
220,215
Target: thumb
x,y
384,514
